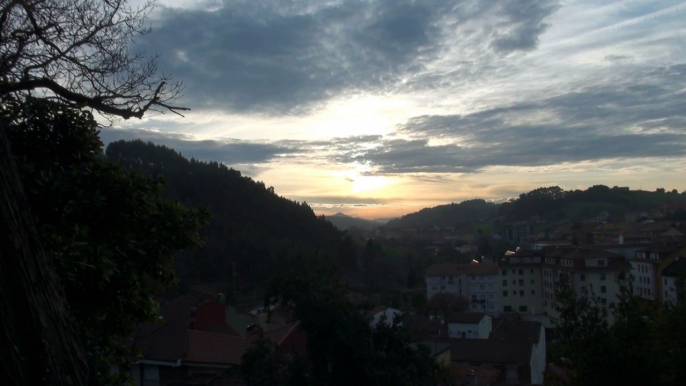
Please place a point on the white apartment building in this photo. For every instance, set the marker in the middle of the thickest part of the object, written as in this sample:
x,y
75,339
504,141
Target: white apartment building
x,y
521,282
646,269
592,272
670,280
478,283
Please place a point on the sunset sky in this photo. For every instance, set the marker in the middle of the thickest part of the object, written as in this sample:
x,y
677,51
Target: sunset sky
x,y
378,108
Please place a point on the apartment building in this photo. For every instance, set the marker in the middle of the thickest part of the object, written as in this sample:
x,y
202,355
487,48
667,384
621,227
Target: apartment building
x,y
646,269
592,272
479,283
670,280
521,282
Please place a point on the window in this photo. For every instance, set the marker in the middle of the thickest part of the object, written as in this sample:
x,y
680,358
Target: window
x,y
603,289
521,293
533,292
532,270
514,281
504,283
504,272
507,308
482,287
523,308
521,271
521,281
442,287
532,281
603,301
602,276
504,294
601,262
582,277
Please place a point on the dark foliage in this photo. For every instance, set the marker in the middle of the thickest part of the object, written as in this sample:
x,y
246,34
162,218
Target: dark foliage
x,y
342,347
452,215
250,224
644,345
108,233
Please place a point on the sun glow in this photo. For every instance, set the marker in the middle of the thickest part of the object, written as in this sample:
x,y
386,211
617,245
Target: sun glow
x,y
369,183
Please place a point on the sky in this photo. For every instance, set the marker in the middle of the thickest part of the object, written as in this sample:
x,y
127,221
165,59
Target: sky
x,y
378,108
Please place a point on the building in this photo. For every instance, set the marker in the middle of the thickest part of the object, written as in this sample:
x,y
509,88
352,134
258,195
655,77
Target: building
x,y
517,349
196,342
646,268
470,325
521,282
670,280
479,283
591,272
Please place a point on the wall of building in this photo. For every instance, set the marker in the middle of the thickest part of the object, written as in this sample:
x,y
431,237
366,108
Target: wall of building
x,y
538,360
483,294
521,289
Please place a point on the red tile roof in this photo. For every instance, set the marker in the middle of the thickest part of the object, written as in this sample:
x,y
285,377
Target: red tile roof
x,y
211,348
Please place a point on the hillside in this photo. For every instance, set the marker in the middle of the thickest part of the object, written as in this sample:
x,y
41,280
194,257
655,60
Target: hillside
x,y
451,215
345,222
556,203
250,225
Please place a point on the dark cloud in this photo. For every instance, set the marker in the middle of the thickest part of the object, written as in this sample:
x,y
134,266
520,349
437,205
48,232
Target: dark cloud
x,y
289,57
228,152
643,117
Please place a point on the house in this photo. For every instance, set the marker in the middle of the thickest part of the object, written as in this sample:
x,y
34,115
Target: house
x,y
516,348
196,343
470,325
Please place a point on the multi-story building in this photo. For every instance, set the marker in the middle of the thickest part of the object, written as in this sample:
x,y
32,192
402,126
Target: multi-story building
x,y
670,280
478,283
521,282
646,269
591,272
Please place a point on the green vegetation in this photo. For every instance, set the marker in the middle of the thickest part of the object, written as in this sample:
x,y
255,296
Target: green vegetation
x,y
251,225
452,215
646,345
108,233
342,347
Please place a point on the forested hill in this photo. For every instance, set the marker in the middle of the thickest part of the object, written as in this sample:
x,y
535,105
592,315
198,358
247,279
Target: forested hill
x,y
556,203
452,215
250,223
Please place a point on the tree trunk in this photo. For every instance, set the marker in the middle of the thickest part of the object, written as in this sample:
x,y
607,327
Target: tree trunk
x,y
39,343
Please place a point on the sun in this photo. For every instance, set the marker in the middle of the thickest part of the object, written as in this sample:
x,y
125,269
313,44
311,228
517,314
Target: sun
x,y
370,183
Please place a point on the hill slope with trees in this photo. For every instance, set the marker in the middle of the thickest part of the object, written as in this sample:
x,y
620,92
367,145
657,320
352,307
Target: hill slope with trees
x,y
451,215
251,226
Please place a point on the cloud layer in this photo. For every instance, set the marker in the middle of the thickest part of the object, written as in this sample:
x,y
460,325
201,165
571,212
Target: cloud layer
x,y
290,57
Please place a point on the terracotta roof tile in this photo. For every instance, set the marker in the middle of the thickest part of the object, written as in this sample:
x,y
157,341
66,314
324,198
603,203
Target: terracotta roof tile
x,y
208,347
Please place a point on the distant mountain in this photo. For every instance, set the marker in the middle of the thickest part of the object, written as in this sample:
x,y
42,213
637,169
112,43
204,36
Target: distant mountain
x,y
345,222
447,215
250,225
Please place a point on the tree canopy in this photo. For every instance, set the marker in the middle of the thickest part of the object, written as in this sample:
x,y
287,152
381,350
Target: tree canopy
x,y
108,232
646,344
342,347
